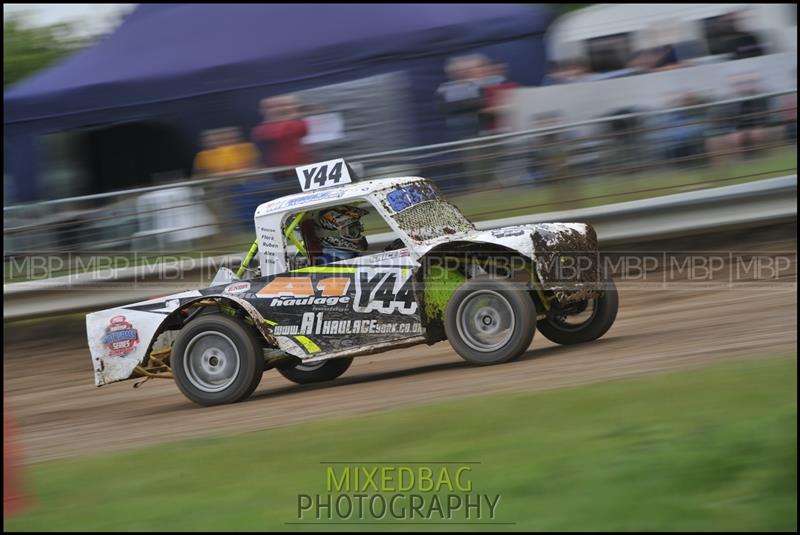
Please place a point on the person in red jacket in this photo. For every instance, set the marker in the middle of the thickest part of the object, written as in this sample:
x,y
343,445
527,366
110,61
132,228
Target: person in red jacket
x,y
282,132
496,98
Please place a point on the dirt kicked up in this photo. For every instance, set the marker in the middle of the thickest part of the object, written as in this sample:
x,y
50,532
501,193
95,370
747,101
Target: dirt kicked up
x,y
48,382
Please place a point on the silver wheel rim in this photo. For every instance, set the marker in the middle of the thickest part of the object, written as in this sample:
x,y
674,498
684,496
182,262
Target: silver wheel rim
x,y
485,321
211,361
310,367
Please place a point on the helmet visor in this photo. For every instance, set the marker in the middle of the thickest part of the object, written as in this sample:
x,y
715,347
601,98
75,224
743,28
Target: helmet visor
x,y
353,230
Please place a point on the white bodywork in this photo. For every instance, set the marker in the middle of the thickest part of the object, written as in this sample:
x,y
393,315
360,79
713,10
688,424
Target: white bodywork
x,y
109,368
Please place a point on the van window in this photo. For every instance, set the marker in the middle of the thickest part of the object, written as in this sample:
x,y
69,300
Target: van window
x,y
609,52
715,34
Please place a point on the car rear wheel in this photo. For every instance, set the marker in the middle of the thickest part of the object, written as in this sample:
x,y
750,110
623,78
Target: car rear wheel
x,y
327,370
217,360
490,321
587,321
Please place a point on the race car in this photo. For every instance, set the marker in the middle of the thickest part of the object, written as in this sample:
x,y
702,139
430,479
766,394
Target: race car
x,y
439,278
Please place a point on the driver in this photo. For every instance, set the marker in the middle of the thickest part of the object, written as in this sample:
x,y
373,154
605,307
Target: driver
x,y
340,232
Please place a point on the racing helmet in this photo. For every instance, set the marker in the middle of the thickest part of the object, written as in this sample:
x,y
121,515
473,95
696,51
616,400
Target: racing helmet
x,y
340,228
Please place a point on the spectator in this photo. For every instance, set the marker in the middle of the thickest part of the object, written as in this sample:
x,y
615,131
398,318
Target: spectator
x,y
238,155
744,126
460,98
498,161
486,73
788,109
225,152
626,146
205,162
566,72
282,132
549,152
789,116
280,135
680,134
670,48
496,94
658,58
661,54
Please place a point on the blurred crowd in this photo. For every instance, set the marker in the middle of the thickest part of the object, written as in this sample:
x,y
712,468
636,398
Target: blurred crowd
x,y
475,99
688,132
477,94
474,102
276,142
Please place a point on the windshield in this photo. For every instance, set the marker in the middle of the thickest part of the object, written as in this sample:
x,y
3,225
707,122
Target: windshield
x,y
422,213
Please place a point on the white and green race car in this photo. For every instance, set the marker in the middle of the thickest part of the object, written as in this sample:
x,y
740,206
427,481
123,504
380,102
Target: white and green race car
x,y
486,292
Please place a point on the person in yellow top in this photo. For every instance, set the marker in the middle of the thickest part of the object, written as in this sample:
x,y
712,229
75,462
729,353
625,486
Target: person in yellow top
x,y
225,152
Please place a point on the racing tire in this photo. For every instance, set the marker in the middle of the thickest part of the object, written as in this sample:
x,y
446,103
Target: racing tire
x,y
216,360
604,312
327,370
490,321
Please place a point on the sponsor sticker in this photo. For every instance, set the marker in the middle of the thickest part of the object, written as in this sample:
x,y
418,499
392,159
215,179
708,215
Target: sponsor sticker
x,y
317,324
508,232
121,338
313,197
303,291
377,258
237,288
408,196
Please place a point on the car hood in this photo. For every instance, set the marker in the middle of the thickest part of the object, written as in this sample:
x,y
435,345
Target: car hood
x,y
565,254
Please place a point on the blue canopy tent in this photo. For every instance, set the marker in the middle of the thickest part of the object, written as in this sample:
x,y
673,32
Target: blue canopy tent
x,y
193,67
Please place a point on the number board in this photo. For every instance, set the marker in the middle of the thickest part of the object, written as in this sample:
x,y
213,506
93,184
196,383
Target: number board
x,y
323,174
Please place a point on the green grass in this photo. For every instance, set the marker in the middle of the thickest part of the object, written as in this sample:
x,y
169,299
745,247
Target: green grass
x,y
599,190
710,449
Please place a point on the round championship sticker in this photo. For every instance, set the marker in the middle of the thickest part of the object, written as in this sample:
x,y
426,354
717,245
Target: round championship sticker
x,y
121,338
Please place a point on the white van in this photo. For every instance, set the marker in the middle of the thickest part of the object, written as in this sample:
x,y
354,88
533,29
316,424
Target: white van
x,y
618,30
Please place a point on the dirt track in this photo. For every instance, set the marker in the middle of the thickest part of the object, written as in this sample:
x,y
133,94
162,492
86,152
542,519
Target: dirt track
x,y
48,383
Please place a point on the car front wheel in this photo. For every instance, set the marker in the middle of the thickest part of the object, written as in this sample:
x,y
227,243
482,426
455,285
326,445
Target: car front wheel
x,y
217,360
490,321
